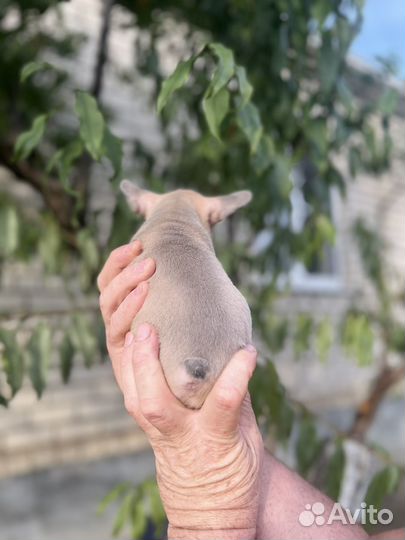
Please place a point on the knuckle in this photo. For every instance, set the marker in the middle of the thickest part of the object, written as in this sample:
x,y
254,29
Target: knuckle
x,y
228,398
152,410
114,330
99,282
131,405
102,302
117,253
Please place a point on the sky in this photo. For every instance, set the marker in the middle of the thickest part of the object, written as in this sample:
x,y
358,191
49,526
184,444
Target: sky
x,y
383,32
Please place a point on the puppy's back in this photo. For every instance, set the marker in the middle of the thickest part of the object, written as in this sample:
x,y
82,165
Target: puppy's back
x,y
200,316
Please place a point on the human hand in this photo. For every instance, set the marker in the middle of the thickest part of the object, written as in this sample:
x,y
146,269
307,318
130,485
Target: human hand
x,y
123,290
208,460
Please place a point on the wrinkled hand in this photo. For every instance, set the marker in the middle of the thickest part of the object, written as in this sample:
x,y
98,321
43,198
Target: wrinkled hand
x,y
207,461
123,291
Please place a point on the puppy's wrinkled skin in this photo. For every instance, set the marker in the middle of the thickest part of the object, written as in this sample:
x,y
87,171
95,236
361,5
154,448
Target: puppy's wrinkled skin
x,y
200,316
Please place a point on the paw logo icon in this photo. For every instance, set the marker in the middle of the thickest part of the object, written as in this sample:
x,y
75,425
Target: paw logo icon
x,y
312,514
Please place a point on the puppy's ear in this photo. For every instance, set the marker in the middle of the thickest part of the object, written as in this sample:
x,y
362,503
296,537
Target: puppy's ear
x,y
139,200
220,208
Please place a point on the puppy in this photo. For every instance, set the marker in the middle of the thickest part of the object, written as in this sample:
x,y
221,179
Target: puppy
x,y
200,316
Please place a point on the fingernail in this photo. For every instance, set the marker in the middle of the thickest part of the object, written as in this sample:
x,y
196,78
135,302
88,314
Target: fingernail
x,y
249,347
129,338
143,332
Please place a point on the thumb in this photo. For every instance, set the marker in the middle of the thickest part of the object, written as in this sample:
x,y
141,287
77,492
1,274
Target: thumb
x,y
157,404
221,409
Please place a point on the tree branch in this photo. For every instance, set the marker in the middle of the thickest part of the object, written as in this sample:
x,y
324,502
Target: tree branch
x,y
96,87
55,198
368,408
82,174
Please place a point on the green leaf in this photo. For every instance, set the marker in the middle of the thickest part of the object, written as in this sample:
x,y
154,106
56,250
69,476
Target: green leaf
x,y
317,133
308,446
320,10
335,178
90,256
323,339
245,88
225,68
388,102
371,247
276,330
334,475
66,356
269,399
112,496
3,401
325,229
122,224
329,61
345,95
280,177
358,338
303,332
215,108
83,338
251,125
50,245
176,81
138,518
39,351
63,161
10,230
113,150
31,68
123,515
156,507
30,139
355,161
12,359
396,338
264,155
384,483
285,420
92,124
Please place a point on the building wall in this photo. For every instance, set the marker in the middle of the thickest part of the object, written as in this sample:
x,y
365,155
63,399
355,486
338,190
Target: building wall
x,y
86,419
380,201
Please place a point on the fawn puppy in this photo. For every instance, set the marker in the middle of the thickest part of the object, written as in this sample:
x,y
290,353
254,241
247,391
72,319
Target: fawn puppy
x,y
200,316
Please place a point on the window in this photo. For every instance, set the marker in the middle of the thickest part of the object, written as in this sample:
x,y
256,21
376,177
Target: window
x,y
322,273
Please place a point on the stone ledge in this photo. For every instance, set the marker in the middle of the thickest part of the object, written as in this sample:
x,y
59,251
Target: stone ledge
x,y
77,450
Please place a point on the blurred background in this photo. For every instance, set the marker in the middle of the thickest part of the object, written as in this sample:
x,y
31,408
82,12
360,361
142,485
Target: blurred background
x,y
302,103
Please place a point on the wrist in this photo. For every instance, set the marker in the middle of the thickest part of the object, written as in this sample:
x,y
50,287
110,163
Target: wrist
x,y
216,502
178,533
235,524
202,519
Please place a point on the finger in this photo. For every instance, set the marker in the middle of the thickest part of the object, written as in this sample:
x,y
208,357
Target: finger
x,y
126,381
122,284
156,402
121,320
118,259
221,410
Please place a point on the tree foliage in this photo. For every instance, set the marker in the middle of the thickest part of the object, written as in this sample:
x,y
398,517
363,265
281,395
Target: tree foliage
x,y
261,90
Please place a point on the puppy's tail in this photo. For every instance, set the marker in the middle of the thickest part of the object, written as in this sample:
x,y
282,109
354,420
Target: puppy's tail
x,y
197,367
